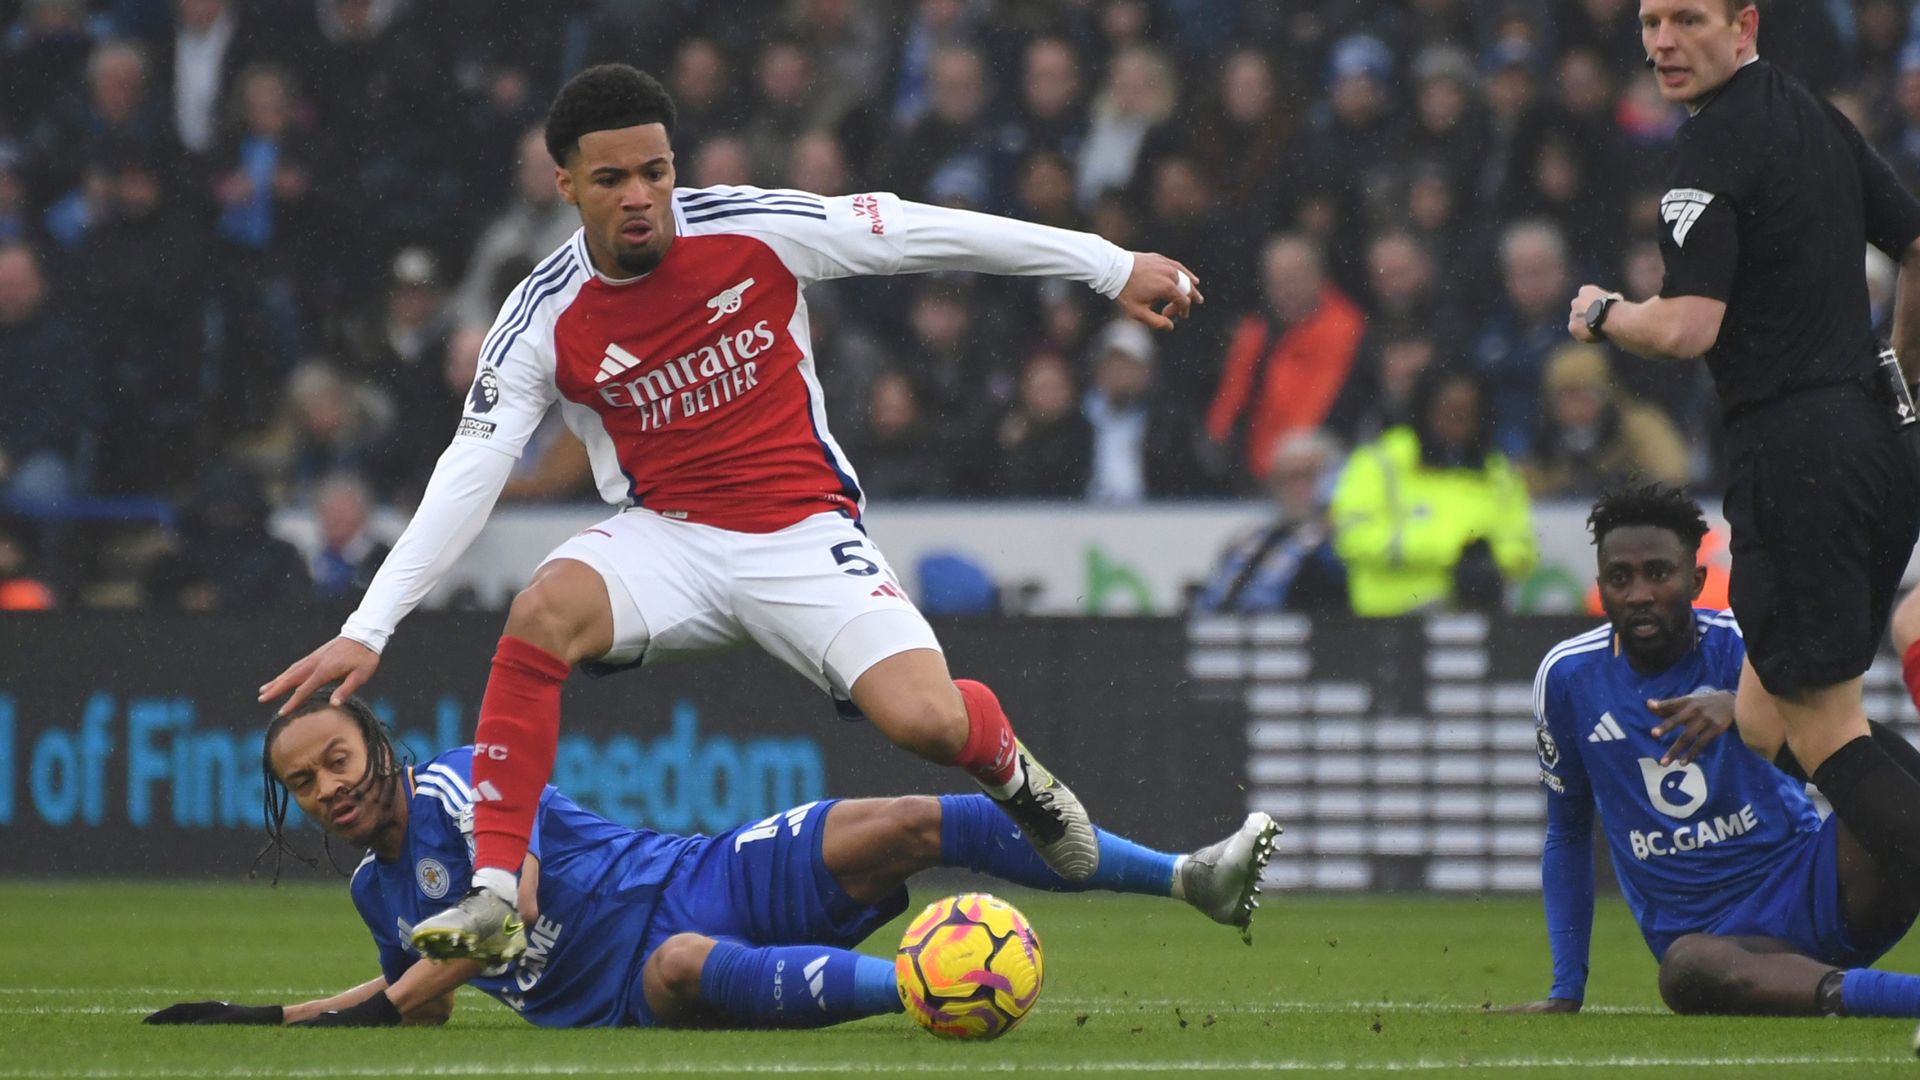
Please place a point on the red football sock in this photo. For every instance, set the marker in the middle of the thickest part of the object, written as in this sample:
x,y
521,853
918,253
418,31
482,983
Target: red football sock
x,y
1910,669
988,755
513,750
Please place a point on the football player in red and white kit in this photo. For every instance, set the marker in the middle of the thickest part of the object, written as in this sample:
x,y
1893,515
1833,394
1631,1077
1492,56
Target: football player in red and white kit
x,y
672,333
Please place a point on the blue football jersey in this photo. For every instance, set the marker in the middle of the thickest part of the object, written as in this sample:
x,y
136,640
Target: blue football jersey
x,y
598,885
1688,841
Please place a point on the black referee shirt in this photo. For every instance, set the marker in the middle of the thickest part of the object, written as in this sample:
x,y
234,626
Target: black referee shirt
x,y
1772,200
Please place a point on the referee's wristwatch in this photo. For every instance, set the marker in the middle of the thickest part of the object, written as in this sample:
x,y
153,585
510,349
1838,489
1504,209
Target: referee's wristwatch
x,y
1597,315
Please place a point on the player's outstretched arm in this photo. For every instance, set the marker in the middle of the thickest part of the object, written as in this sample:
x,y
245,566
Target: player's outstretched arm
x,y
342,659
466,483
422,996
221,1012
216,1012
1148,287
1159,291
356,998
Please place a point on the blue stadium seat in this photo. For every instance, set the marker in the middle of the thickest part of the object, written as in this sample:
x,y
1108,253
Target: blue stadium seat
x,y
952,584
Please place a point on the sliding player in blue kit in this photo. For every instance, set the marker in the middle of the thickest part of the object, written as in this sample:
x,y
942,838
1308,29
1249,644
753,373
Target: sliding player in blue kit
x,y
1749,900
626,927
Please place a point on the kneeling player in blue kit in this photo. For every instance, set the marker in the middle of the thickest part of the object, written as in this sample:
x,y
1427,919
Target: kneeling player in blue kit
x,y
1750,901
626,927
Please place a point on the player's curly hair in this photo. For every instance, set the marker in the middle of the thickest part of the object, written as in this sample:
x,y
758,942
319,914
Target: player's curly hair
x,y
602,98
1659,505
383,770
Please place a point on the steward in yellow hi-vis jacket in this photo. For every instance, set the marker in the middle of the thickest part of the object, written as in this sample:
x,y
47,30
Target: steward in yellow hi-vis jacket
x,y
1429,515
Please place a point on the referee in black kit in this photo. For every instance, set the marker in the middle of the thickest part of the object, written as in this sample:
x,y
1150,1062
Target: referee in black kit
x,y
1772,198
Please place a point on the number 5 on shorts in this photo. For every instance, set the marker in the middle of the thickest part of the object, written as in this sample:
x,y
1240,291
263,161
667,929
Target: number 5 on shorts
x,y
857,565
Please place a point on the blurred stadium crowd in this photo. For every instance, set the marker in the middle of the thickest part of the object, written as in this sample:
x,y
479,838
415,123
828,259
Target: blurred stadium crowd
x,y
248,248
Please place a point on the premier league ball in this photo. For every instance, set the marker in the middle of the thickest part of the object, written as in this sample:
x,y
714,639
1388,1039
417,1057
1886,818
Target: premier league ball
x,y
969,967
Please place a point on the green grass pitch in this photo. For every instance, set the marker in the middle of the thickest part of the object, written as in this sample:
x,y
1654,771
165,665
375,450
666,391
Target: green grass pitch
x,y
1134,987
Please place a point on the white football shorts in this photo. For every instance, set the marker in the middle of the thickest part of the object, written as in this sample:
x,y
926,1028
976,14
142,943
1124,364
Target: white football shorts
x,y
817,594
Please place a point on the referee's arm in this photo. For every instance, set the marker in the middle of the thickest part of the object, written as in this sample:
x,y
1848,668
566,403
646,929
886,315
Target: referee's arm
x,y
1906,313
1892,219
1675,327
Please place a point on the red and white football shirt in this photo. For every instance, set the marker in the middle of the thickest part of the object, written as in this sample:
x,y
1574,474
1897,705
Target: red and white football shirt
x,y
693,387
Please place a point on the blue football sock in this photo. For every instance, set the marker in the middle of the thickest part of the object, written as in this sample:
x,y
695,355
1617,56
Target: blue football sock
x,y
974,834
1866,992
796,985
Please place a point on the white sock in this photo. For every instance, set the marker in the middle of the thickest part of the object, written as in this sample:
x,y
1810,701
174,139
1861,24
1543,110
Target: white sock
x,y
1179,890
498,882
1006,790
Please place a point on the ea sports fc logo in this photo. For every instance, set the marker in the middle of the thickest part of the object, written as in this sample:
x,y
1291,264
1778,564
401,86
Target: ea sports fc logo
x,y
432,878
1677,791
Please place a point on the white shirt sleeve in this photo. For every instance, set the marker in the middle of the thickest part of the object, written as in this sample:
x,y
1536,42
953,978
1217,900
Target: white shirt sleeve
x,y
511,393
514,387
878,233
941,238
466,483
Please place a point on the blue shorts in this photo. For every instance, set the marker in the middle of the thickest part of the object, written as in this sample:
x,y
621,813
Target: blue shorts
x,y
1800,905
761,884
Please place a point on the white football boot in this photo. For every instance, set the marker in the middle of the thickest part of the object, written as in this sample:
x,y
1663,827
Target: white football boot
x,y
1223,878
480,927
1053,819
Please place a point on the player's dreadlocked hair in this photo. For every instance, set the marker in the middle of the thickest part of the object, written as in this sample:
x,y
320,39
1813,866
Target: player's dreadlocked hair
x,y
603,98
383,768
1658,505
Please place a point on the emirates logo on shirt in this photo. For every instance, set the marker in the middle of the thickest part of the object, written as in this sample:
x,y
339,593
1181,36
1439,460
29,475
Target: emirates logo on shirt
x,y
693,382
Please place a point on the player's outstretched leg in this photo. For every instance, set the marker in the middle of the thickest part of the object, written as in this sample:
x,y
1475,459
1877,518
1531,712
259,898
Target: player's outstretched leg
x,y
913,699
559,619
1045,809
1221,880
1706,974
512,757
693,980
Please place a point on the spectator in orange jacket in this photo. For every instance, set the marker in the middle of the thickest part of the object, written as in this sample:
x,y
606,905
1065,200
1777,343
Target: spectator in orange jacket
x,y
20,590
1287,361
